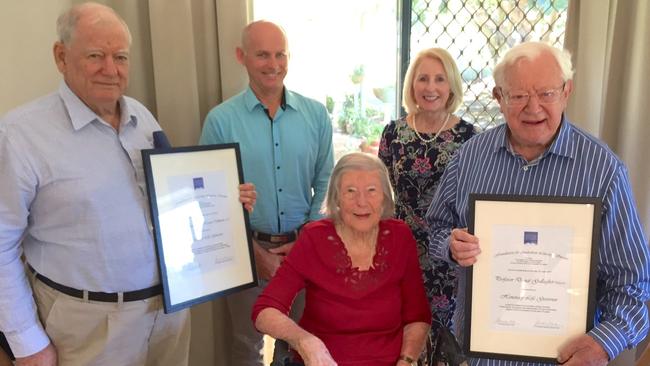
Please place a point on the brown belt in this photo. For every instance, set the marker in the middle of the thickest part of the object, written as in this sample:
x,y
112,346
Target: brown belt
x,y
99,296
270,241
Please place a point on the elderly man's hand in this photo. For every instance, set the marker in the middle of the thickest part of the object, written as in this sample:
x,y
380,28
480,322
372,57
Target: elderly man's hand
x,y
45,357
583,351
247,196
266,263
464,247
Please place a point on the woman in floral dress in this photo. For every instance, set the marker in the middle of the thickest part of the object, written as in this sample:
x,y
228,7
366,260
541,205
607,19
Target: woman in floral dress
x,y
416,150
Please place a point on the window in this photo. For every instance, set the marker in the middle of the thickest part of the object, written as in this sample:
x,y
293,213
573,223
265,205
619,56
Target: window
x,y
477,32
344,54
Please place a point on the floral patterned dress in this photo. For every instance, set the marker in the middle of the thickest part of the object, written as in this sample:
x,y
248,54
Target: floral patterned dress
x,y
415,168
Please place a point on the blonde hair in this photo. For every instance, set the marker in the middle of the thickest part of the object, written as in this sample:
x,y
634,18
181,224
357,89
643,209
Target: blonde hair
x,y
451,71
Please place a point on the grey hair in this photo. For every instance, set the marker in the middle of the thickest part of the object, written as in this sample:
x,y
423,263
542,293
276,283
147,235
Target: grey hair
x,y
357,161
530,51
66,23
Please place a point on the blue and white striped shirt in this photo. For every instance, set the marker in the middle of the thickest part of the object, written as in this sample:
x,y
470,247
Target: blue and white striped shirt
x,y
576,164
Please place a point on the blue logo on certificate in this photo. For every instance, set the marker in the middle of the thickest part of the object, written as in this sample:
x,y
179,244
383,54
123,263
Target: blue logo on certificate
x,y
530,237
198,183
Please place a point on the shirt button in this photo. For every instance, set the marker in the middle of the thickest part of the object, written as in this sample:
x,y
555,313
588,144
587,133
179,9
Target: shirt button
x,y
277,167
525,168
281,212
276,144
280,190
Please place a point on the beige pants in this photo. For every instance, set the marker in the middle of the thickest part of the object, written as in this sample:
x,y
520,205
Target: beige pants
x,y
134,333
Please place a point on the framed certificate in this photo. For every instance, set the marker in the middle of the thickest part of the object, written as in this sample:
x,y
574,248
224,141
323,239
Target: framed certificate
x,y
533,286
200,228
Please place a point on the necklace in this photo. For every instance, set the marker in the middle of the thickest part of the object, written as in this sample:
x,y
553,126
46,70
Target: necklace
x,y
415,128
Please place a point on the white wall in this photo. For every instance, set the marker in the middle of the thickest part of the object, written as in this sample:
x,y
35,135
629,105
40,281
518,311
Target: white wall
x,y
27,33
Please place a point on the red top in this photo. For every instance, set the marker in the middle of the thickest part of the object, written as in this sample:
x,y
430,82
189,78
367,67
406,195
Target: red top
x,y
359,315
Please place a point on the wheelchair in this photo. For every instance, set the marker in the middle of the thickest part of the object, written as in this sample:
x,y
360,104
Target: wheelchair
x,y
282,355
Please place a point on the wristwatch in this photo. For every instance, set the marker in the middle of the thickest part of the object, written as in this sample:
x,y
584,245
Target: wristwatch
x,y
407,359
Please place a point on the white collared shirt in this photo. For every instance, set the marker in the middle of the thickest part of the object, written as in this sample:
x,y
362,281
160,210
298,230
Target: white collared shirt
x,y
73,189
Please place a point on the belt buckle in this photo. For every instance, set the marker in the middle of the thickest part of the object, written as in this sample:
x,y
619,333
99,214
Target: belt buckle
x,y
282,239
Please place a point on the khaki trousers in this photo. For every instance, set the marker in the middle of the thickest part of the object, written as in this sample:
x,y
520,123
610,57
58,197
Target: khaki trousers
x,y
135,333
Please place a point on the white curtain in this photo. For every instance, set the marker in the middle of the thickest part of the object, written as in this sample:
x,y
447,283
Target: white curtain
x,y
183,58
183,64
611,54
194,68
609,42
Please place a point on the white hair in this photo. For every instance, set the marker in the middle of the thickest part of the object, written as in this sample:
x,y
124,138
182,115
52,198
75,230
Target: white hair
x,y
66,24
530,51
357,161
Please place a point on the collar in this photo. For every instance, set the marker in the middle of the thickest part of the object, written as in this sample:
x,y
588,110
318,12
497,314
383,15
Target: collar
x,y
562,144
81,115
251,101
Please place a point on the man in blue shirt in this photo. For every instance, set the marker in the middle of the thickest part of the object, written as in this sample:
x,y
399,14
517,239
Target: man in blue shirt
x,y
539,152
286,147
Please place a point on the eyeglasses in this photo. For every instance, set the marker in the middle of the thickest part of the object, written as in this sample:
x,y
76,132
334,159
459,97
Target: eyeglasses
x,y
520,97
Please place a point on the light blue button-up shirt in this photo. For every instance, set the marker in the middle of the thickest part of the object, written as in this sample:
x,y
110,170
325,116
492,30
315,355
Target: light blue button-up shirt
x,y
289,159
576,164
73,189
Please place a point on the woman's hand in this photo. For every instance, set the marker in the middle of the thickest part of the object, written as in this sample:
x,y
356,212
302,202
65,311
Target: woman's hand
x,y
313,352
279,326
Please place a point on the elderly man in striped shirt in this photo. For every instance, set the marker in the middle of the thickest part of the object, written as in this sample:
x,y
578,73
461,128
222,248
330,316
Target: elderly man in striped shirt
x,y
539,152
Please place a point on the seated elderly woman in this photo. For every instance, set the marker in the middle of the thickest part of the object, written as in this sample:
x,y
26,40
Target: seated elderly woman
x,y
365,301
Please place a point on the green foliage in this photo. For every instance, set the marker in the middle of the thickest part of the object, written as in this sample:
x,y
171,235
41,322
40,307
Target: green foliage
x,y
367,128
348,113
366,125
329,104
357,74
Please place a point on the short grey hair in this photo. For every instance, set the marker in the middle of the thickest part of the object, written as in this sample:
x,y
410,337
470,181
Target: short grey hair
x,y
66,23
357,161
451,72
530,51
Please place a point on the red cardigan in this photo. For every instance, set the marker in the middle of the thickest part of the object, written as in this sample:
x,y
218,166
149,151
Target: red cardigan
x,y
359,315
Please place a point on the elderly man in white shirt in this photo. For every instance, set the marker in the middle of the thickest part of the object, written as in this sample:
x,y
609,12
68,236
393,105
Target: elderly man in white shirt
x,y
73,200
